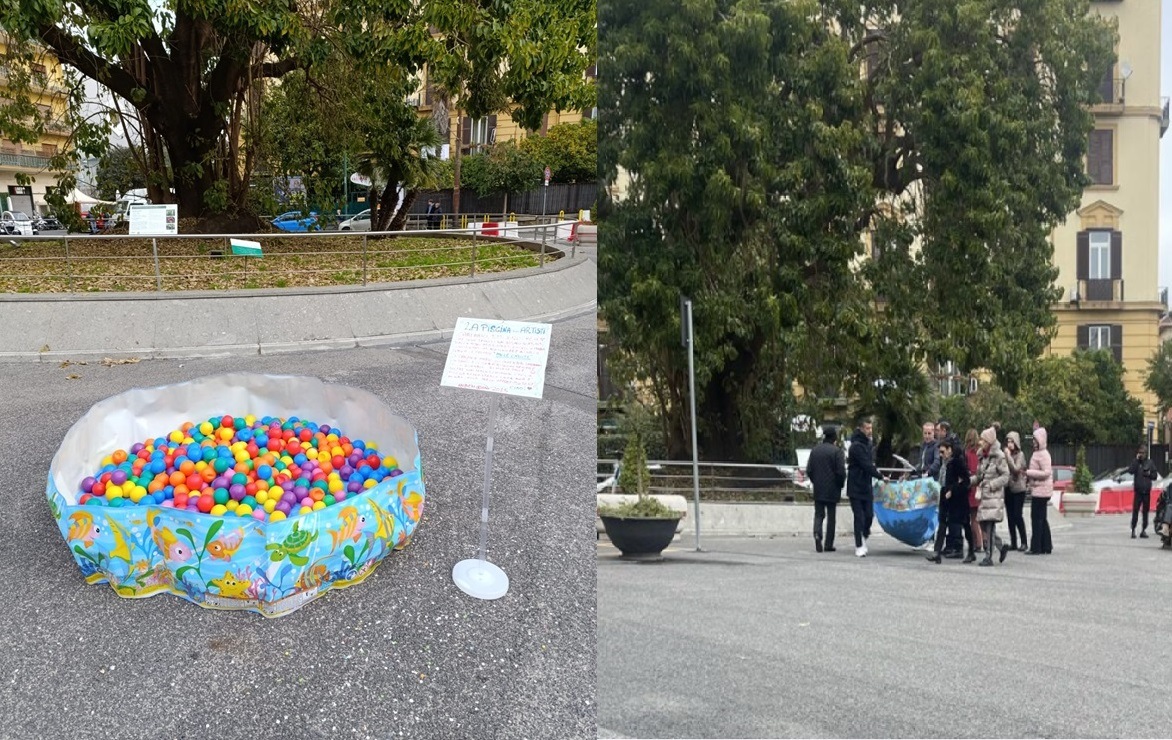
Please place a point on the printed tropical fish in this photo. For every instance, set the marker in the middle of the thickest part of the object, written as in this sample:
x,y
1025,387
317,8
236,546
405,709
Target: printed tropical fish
x,y
386,522
226,545
120,551
82,528
314,576
173,549
351,528
412,505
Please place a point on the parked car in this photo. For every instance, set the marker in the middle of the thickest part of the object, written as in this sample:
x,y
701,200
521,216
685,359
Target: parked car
x,y
17,222
358,222
1063,476
47,223
1111,479
294,221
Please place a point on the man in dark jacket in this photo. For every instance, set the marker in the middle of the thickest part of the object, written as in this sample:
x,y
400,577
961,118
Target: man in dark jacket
x,y
1143,473
826,470
861,472
953,512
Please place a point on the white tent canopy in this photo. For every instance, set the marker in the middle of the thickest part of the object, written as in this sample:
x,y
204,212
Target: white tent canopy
x,y
76,196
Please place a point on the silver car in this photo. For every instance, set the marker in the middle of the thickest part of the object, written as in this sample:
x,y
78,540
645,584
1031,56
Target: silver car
x,y
358,222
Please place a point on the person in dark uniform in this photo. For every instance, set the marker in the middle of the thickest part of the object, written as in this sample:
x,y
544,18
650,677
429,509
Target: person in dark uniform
x,y
954,508
826,469
860,475
1143,473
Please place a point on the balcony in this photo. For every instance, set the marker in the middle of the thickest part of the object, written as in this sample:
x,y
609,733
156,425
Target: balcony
x,y
24,161
1111,92
1163,116
1100,290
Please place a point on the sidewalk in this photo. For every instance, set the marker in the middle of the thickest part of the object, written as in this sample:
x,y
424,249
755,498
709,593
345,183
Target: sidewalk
x,y
53,327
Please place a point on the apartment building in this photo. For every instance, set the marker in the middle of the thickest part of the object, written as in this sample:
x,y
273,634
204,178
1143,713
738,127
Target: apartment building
x,y
32,159
1107,251
472,135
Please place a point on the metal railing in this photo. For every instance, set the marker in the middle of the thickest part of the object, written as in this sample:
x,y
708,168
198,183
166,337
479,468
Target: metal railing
x,y
752,481
24,160
186,260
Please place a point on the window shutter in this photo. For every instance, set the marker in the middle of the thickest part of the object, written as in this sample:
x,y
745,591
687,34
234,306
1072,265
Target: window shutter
x,y
465,131
1093,157
1107,86
1117,342
1106,174
1116,255
592,70
1084,336
1083,269
490,134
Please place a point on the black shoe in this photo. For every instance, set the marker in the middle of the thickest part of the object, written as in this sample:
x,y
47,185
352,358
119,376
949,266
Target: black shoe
x,y
935,558
1133,534
952,554
818,544
1024,547
1032,552
828,548
1004,552
1143,535
986,561
970,558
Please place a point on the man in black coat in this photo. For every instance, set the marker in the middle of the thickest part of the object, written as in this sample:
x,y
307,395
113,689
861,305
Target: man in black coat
x,y
1143,473
861,472
826,469
929,450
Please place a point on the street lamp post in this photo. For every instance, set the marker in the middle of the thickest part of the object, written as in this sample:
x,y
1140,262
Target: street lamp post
x,y
686,338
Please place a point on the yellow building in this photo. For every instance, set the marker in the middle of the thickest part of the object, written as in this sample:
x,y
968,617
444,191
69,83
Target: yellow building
x,y
32,159
473,135
1107,251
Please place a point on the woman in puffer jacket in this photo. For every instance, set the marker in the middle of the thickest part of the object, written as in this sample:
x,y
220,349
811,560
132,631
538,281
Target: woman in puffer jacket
x,y
1040,477
991,479
1015,492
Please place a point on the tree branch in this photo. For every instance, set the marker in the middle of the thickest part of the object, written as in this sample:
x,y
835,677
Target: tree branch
x,y
279,68
69,50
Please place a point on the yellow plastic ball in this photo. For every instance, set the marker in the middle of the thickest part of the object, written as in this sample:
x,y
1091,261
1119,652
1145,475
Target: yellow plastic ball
x,y
311,454
305,510
277,516
270,506
336,485
319,505
219,510
249,419
206,428
232,504
226,434
175,436
369,483
243,510
262,496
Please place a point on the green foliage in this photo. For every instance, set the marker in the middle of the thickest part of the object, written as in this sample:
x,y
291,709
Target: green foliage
x,y
502,168
570,150
118,172
192,70
634,477
989,404
1081,400
645,507
1159,379
1083,480
758,157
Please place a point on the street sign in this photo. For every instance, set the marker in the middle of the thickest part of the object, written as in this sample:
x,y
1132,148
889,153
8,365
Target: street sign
x,y
547,176
360,179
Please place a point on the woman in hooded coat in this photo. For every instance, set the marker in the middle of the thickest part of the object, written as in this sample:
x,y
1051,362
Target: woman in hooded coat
x,y
1040,477
992,477
1015,492
971,445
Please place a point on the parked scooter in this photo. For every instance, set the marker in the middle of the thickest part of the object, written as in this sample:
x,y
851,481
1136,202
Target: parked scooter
x,y
1164,517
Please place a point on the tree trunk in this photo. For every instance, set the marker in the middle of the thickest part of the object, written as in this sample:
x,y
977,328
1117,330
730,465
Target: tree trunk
x,y
399,222
456,157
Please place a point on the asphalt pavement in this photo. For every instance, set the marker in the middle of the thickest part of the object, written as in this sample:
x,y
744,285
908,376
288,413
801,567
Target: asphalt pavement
x,y
767,638
403,654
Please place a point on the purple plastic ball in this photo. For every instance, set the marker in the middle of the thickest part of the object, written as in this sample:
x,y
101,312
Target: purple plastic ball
x,y
87,485
118,477
236,492
354,487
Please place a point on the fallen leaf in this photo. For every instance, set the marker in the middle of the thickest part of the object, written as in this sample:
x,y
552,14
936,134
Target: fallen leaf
x,y
44,348
73,376
110,361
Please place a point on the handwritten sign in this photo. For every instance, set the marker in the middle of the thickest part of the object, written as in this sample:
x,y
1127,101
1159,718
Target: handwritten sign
x,y
150,220
498,356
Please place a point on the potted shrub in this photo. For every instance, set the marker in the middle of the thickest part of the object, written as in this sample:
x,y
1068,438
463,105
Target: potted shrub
x,y
641,528
1079,498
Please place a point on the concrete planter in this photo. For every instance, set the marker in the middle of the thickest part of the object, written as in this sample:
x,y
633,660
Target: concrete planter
x,y
671,501
1079,504
587,235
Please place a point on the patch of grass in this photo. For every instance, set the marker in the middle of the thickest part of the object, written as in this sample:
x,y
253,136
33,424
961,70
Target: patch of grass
x,y
128,264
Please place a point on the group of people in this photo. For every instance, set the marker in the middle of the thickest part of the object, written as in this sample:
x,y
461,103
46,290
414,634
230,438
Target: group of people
x,y
980,483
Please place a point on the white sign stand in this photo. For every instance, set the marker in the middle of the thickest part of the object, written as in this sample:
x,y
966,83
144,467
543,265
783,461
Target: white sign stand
x,y
498,357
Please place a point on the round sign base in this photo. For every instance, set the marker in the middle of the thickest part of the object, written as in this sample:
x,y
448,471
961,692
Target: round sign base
x,y
480,579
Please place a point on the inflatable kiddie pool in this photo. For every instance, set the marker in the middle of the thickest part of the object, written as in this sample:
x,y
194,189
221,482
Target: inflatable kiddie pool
x,y
908,510
234,562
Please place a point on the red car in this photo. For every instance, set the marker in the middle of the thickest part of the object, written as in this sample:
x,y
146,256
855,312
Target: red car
x,y
1063,477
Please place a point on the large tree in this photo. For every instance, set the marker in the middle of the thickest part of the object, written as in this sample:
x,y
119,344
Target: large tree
x,y
763,138
187,67
1081,399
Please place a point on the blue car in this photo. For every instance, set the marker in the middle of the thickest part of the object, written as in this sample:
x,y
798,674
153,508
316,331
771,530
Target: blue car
x,y
294,221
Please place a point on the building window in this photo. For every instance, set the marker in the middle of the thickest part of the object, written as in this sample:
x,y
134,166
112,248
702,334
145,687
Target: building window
x,y
1100,254
1102,336
951,382
477,133
1101,157
1099,337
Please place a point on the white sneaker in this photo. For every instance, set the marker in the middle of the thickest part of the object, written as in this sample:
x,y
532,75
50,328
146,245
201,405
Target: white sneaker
x,y
865,550
861,551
